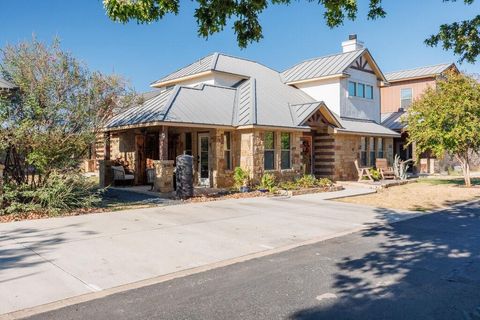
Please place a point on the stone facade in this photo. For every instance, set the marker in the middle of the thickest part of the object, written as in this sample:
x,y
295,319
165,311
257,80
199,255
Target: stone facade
x,y
163,175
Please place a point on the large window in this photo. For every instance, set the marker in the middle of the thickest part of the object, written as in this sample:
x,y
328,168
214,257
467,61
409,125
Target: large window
x,y
352,88
227,151
363,151
371,148
361,90
188,143
269,151
405,97
286,162
380,147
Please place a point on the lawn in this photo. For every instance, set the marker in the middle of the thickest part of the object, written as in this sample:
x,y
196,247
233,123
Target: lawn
x,y
426,194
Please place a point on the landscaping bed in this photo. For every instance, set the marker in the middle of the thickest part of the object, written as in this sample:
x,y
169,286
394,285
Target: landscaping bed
x,y
426,194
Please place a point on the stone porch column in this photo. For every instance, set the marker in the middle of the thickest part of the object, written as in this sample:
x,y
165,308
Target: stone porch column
x,y
105,173
1,184
163,143
163,175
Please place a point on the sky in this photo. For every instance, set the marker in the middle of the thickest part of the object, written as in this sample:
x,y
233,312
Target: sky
x,y
145,53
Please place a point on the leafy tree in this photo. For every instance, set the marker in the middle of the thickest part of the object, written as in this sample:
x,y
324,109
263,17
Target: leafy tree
x,y
52,119
212,17
447,119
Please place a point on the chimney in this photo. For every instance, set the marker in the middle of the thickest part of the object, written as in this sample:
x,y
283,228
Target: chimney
x,y
352,44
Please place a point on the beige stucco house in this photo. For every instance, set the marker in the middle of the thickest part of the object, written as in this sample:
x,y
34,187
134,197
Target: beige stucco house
x,y
316,117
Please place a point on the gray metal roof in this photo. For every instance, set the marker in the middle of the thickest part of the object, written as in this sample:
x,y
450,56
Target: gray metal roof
x,y
322,66
368,127
261,99
392,120
4,84
421,72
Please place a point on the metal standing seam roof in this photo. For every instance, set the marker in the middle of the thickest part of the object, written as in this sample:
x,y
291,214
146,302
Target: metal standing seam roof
x,y
322,66
393,120
4,84
428,71
365,126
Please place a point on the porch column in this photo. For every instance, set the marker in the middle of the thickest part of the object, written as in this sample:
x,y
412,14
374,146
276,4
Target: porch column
x,y
106,150
163,143
1,184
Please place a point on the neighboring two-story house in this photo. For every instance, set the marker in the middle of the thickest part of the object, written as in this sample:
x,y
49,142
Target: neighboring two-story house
x,y
317,117
402,88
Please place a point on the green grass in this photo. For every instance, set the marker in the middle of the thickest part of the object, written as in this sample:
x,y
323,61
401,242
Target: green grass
x,y
453,181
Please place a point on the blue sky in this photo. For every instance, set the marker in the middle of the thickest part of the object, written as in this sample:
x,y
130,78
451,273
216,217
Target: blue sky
x,y
144,53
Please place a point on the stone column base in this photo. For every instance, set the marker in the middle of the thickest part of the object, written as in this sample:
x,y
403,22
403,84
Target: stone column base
x,y
163,175
105,173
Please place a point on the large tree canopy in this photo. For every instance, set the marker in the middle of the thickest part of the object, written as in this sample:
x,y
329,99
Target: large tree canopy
x,y
213,15
447,119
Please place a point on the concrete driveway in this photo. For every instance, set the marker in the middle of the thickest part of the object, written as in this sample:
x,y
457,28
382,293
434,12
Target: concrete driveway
x,y
47,260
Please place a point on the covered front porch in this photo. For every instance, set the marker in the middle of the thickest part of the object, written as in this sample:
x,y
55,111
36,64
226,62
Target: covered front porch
x,y
156,148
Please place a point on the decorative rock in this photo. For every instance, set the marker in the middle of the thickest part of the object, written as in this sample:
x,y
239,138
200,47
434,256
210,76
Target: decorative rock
x,y
184,176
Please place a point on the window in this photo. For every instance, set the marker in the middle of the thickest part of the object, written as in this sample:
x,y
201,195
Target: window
x,y
269,151
363,151
285,153
188,143
352,89
380,147
360,90
227,151
405,97
368,92
371,148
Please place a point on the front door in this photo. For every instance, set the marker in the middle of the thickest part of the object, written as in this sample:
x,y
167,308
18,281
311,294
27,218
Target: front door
x,y
203,163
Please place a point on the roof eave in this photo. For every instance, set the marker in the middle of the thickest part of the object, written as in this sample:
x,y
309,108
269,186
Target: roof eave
x,y
333,76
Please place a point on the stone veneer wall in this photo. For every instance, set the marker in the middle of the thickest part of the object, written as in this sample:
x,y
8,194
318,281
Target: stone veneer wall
x,y
251,143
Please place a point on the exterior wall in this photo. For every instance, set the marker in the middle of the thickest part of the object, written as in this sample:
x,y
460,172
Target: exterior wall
x,y
327,91
356,107
252,155
391,95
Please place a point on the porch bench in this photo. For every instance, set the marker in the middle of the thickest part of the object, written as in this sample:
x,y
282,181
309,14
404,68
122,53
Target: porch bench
x,y
120,175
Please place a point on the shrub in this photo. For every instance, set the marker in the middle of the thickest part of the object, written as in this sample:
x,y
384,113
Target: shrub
x,y
324,182
376,175
59,193
288,185
268,182
307,181
240,177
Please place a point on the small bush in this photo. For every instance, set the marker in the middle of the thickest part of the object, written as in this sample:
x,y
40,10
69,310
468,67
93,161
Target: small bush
x,y
288,185
268,182
307,181
59,193
376,175
324,182
240,177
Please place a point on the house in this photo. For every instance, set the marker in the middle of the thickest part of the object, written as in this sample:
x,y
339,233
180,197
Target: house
x,y
6,86
397,94
316,117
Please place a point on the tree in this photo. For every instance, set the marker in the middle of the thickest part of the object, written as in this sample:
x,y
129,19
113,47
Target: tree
x,y
212,17
447,119
51,120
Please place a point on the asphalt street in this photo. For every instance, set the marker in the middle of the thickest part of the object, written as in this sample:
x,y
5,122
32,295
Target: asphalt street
x,y
423,268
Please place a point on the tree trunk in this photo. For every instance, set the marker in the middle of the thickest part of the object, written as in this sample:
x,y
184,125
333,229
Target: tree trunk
x,y
464,161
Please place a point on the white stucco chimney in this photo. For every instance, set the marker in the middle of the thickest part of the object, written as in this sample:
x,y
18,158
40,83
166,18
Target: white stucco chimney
x,y
352,44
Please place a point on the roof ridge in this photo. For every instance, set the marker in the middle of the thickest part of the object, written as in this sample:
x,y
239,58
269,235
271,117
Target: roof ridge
x,y
322,57
422,67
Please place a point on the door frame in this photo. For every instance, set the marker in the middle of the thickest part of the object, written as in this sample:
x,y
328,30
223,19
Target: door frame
x,y
203,181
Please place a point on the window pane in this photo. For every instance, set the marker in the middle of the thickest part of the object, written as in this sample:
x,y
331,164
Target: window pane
x,y
406,97
352,89
268,162
371,149
285,159
369,92
360,90
269,141
285,141
363,151
228,160
226,140
380,147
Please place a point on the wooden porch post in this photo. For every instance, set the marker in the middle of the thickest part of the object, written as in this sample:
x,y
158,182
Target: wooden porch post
x,y
163,143
106,151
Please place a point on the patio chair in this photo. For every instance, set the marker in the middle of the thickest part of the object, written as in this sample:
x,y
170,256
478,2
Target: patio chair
x,y
386,171
120,175
363,172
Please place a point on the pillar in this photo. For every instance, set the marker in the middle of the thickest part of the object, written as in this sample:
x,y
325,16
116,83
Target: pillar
x,y
163,175
163,143
105,173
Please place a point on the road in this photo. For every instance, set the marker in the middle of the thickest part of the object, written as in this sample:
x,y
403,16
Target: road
x,y
423,268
